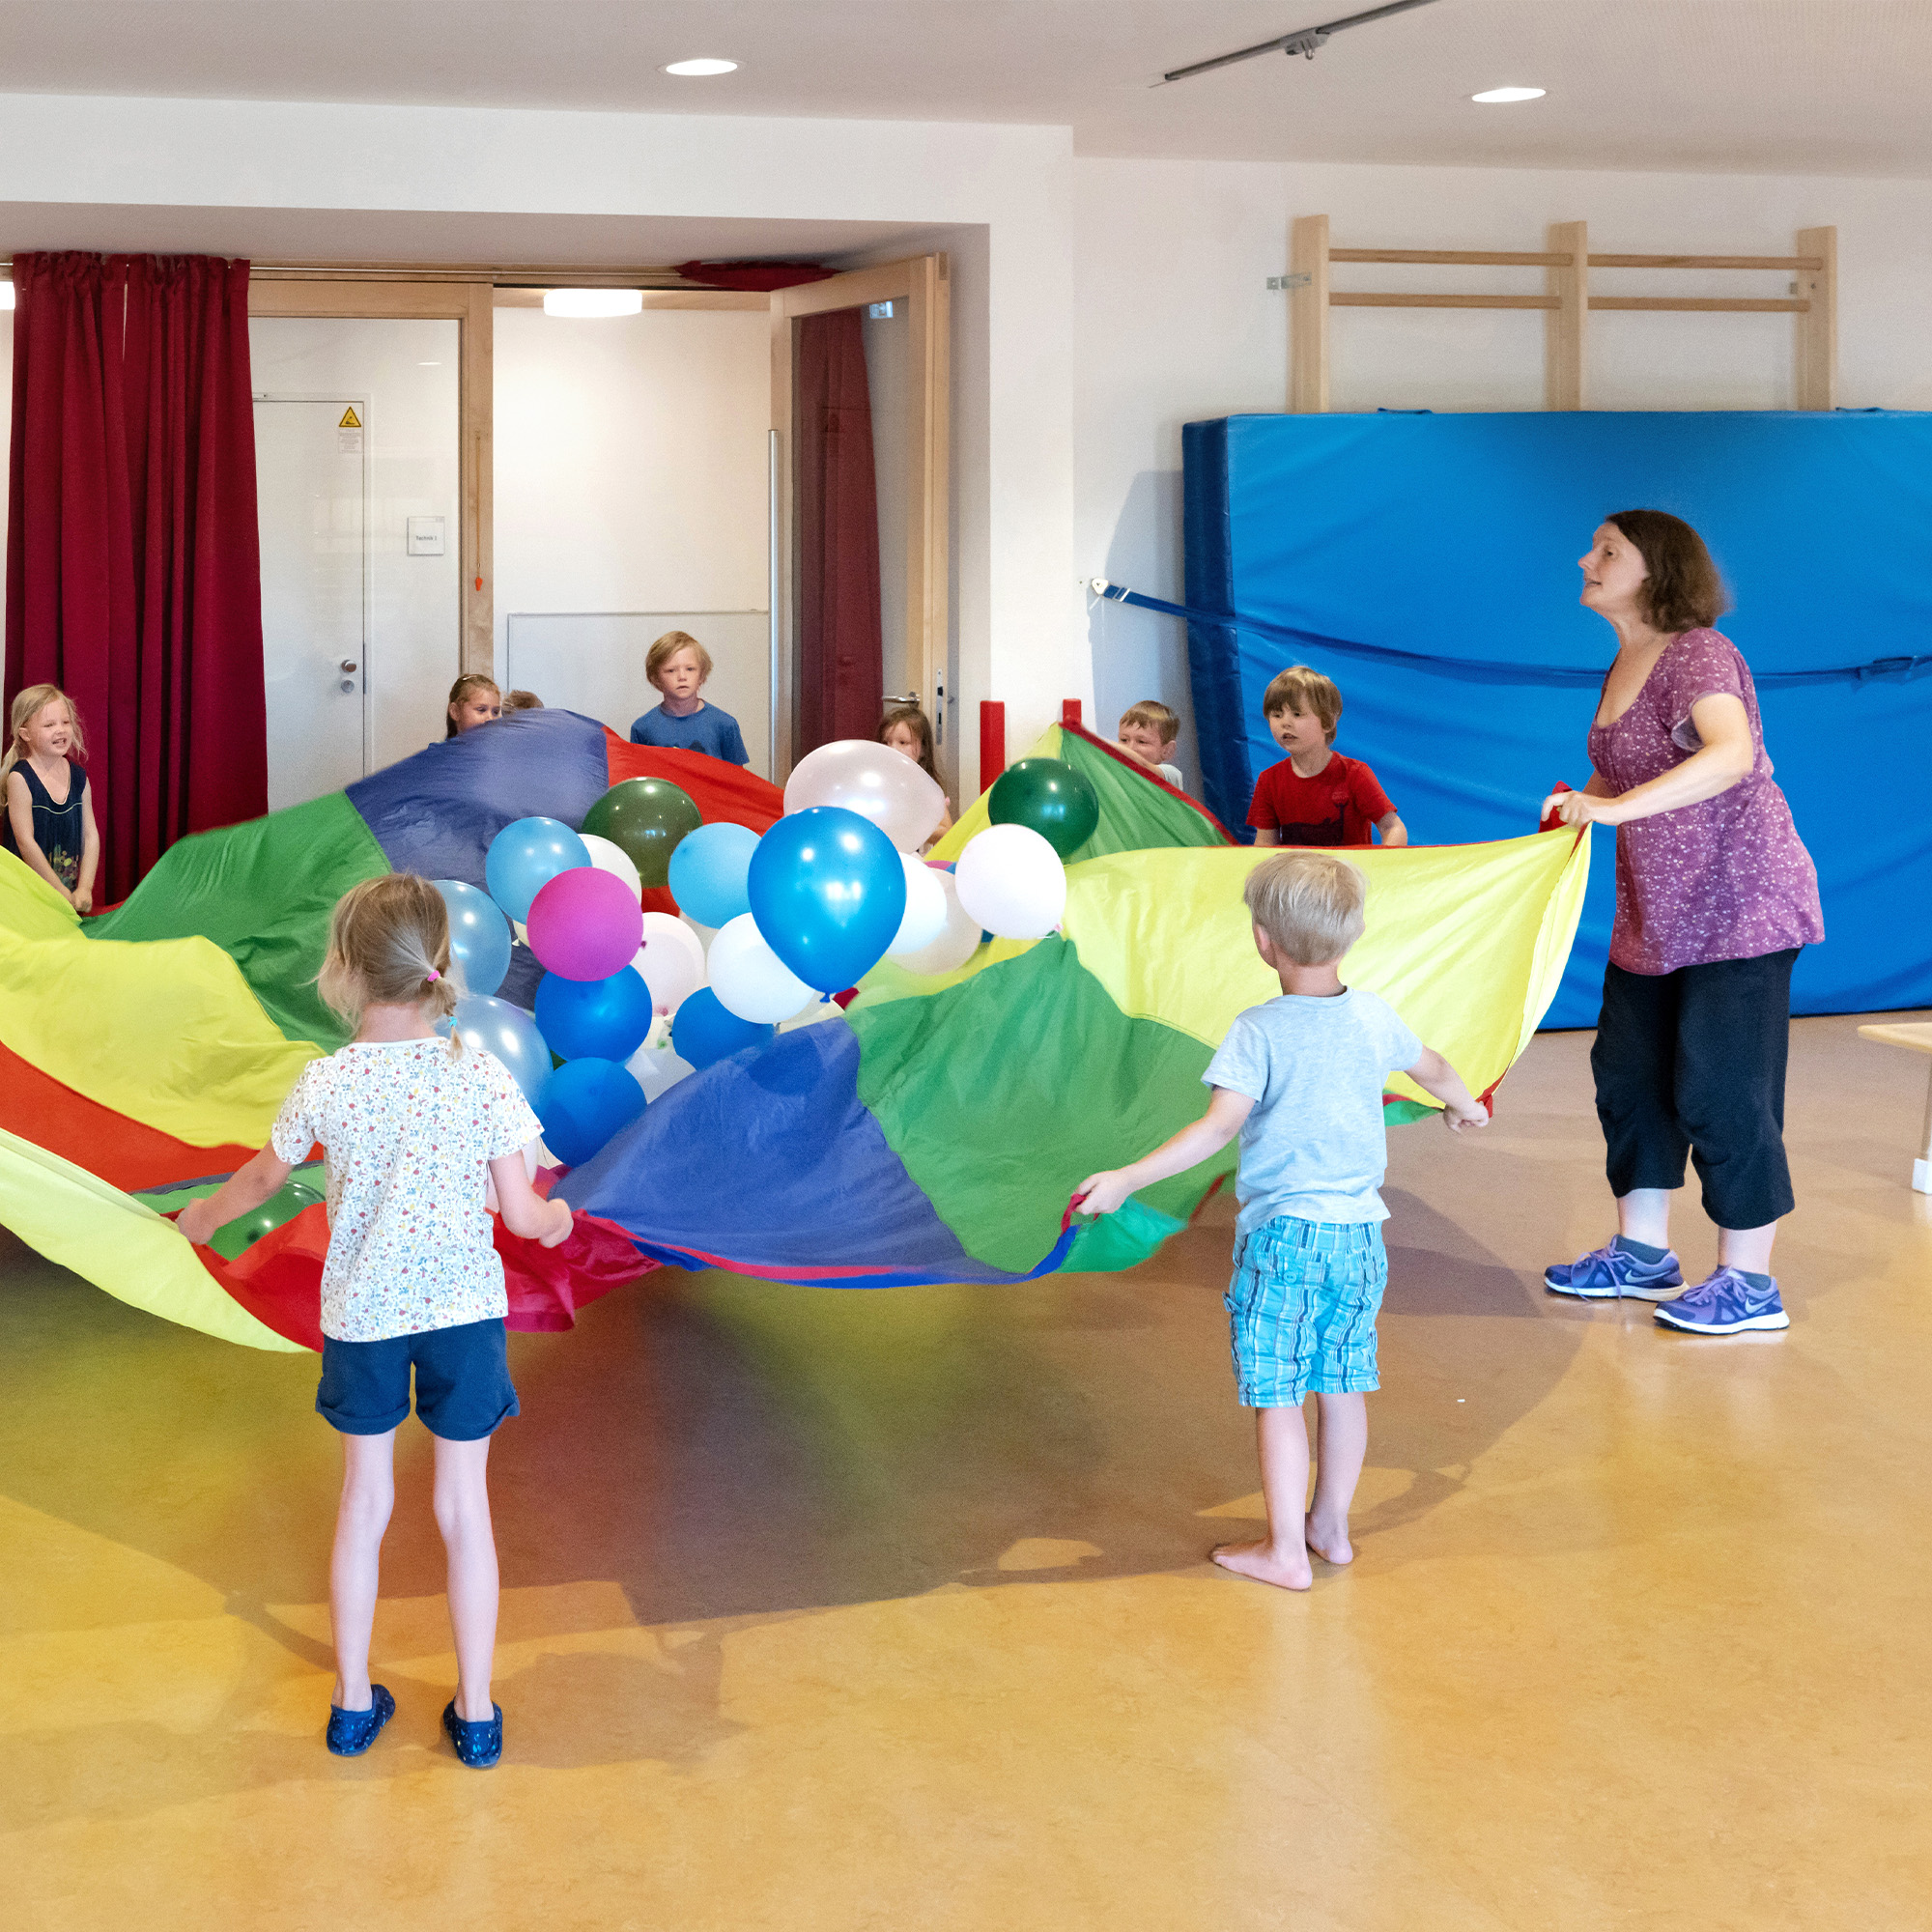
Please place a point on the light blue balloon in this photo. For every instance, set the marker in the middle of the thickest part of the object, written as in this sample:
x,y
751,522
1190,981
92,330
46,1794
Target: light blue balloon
x,y
507,1032
709,872
480,935
526,856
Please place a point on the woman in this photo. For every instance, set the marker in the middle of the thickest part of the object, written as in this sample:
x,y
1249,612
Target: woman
x,y
1714,897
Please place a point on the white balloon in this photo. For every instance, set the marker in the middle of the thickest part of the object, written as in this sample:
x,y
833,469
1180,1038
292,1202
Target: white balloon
x,y
875,782
925,912
614,860
670,960
750,980
704,934
1011,881
657,1067
958,939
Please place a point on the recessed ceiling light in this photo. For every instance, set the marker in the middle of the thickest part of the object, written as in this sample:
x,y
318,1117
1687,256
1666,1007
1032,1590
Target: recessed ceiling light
x,y
6,295
594,302
1495,95
700,66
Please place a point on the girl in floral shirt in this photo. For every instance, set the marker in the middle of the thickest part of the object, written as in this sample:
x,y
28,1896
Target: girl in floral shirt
x,y
416,1129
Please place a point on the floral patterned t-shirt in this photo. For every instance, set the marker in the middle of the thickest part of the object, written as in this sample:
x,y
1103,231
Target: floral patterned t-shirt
x,y
408,1128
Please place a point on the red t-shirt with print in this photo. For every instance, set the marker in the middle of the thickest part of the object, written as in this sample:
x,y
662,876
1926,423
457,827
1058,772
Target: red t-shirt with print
x,y
1339,805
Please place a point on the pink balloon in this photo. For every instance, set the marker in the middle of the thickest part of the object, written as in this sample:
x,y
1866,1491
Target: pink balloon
x,y
586,925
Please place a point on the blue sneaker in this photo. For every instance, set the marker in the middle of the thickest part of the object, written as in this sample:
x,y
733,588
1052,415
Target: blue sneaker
x,y
352,1732
1724,1304
1604,1274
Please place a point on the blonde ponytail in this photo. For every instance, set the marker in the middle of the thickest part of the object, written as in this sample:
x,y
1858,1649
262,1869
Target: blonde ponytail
x,y
388,946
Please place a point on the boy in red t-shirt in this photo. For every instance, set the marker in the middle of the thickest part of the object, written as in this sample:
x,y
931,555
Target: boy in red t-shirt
x,y
1316,796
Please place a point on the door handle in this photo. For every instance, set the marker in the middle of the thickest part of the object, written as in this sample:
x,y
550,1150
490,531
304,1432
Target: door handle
x,y
348,664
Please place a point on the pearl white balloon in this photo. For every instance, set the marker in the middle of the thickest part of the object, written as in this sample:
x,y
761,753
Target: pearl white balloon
x,y
1011,881
875,782
925,912
657,1068
670,960
750,980
958,939
614,860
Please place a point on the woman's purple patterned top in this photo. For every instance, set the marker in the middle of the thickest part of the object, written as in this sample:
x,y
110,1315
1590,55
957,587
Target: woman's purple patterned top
x,y
1725,879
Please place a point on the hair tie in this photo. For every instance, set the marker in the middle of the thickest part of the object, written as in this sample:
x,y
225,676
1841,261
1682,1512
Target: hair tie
x,y
434,975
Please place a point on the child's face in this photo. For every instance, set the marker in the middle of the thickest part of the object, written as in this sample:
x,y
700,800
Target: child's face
x,y
478,708
1298,734
904,740
1146,744
680,675
49,732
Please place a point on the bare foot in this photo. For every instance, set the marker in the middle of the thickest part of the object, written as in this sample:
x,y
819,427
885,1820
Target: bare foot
x,y
1261,1562
1328,1541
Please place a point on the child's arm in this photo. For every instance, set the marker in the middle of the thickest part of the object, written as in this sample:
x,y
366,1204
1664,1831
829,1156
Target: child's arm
x,y
1267,835
90,851
524,1210
1102,1193
1460,1108
1394,832
240,1194
20,813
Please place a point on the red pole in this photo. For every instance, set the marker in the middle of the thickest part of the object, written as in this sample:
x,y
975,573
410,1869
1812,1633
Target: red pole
x,y
992,741
1069,711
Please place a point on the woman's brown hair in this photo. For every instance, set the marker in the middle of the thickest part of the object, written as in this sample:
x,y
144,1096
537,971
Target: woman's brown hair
x,y
920,725
465,688
1683,591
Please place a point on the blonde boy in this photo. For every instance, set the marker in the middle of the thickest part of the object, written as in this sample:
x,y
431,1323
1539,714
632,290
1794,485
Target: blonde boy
x,y
1316,796
1300,1080
678,664
1147,732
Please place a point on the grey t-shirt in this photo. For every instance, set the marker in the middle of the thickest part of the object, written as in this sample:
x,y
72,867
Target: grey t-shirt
x,y
1315,1145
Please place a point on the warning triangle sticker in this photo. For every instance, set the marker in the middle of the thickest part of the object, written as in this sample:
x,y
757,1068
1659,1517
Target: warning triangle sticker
x,y
350,419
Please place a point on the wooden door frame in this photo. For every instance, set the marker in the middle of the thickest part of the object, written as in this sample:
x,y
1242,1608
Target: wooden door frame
x,y
923,283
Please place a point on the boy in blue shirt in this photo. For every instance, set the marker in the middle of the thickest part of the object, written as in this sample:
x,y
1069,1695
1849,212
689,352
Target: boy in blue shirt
x,y
678,664
1300,1080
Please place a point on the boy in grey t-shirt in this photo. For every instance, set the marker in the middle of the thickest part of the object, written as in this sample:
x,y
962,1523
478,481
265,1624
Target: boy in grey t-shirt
x,y
1300,1080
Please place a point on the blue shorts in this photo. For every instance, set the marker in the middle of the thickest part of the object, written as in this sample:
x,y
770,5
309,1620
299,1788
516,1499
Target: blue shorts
x,y
1302,1305
462,1383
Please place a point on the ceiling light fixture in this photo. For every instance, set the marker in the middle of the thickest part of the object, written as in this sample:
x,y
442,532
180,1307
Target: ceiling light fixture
x,y
1496,95
6,295
594,302
691,69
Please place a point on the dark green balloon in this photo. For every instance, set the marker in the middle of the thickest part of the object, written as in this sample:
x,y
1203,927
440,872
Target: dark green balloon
x,y
644,817
1049,796
229,1239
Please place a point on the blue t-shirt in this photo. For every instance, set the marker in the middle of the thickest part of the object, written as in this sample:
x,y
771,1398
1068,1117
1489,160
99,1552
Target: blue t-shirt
x,y
1315,1145
707,729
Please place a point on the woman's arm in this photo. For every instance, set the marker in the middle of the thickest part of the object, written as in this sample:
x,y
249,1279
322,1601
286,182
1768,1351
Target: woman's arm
x,y
240,1194
1103,1192
524,1210
20,815
90,850
1725,760
1394,832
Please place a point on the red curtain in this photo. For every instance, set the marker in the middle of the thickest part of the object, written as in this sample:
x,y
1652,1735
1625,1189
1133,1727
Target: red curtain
x,y
134,566
841,665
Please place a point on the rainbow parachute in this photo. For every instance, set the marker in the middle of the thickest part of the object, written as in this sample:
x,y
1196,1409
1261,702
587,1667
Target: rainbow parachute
x,y
932,1133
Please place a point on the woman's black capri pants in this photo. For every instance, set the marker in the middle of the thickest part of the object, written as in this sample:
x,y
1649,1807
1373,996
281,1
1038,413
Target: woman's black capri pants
x,y
1692,1062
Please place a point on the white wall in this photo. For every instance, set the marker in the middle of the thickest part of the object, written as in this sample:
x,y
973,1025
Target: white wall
x,y
1174,324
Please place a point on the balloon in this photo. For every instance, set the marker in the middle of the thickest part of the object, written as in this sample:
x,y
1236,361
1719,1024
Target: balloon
x,y
707,872
596,1019
497,1027
957,940
288,1201
1011,881
526,856
657,1069
479,936
703,1033
582,1104
614,860
926,913
646,817
828,893
586,925
1051,797
671,961
750,979
874,781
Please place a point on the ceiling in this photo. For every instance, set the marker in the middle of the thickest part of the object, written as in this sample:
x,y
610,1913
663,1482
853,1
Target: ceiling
x,y
1756,86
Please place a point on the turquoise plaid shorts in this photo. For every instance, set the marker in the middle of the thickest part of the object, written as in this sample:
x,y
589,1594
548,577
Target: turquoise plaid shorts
x,y
1302,1305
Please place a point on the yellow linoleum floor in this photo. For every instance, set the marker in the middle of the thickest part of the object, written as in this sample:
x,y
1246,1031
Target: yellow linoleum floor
x,y
853,1610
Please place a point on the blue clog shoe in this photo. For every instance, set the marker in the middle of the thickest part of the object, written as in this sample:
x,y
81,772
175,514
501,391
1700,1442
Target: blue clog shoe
x,y
352,1732
479,1744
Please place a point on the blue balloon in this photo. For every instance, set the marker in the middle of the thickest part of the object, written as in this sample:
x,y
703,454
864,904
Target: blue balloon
x,y
596,1019
707,872
828,892
582,1104
479,936
704,1030
507,1032
526,856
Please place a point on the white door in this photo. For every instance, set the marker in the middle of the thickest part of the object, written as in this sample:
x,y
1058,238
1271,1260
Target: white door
x,y
311,489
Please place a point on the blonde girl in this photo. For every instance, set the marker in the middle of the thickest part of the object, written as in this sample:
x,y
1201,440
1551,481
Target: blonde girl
x,y
416,1129
473,699
908,730
49,806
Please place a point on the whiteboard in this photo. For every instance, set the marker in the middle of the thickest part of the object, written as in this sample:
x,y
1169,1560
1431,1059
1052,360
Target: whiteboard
x,y
593,661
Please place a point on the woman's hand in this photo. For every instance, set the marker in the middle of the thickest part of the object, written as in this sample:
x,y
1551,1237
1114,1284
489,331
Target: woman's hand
x,y
1577,808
